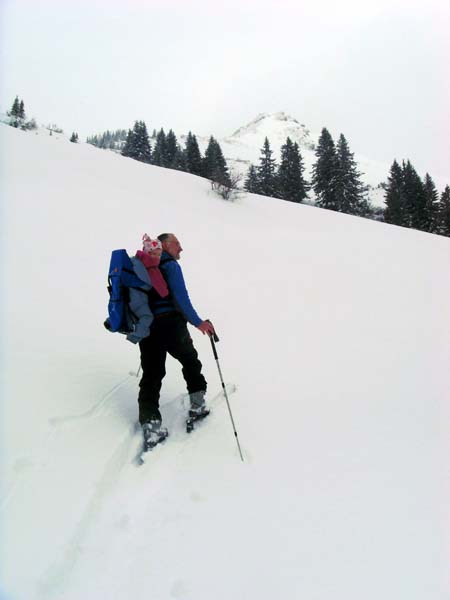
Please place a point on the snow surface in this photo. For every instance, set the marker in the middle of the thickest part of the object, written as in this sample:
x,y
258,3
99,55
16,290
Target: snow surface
x,y
334,331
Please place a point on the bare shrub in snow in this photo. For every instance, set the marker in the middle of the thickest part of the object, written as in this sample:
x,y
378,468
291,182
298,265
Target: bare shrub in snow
x,y
228,188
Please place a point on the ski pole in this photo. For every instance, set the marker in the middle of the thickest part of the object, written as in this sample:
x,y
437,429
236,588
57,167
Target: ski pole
x,y
214,339
135,373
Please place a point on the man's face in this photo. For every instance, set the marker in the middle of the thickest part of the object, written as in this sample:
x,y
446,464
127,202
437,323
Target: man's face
x,y
172,246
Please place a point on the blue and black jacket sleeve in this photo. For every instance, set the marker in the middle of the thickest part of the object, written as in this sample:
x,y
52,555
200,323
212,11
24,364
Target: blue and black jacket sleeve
x,y
175,280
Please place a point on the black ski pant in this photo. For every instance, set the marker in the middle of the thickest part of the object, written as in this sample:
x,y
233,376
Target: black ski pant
x,y
168,334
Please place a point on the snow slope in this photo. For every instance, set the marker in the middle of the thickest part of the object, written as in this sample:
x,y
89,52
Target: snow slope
x,y
334,331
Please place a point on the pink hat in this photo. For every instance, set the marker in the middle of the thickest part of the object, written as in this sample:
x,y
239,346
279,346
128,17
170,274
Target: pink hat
x,y
149,244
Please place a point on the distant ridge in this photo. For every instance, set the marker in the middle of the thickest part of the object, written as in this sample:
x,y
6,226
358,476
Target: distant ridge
x,y
277,126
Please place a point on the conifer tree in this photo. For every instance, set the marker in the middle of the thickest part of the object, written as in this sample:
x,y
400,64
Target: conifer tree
x,y
144,151
119,139
16,112
74,138
22,111
137,145
214,163
251,182
324,172
414,195
193,157
179,162
443,216
112,140
128,149
290,182
431,205
106,140
350,191
93,140
159,150
209,160
394,212
15,108
171,148
267,180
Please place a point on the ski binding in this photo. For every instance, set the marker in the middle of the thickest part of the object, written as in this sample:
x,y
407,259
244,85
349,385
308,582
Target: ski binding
x,y
194,417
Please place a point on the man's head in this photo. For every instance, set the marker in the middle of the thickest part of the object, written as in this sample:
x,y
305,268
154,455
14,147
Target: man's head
x,y
170,244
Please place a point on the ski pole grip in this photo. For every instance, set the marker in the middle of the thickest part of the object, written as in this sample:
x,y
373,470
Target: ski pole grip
x,y
215,336
213,345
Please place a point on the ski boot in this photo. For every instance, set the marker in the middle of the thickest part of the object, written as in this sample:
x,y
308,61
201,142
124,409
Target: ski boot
x,y
197,411
153,433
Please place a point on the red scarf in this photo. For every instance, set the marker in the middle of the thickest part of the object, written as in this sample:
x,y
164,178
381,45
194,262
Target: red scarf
x,y
151,264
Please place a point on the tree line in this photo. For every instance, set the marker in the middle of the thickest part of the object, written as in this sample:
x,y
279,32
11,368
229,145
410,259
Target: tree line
x,y
164,150
336,180
17,118
110,140
285,181
411,202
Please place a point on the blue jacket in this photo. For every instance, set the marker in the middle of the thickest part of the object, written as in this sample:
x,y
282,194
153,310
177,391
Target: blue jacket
x,y
178,300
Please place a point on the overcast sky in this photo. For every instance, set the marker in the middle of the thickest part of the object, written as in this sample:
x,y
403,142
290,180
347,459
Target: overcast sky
x,y
375,70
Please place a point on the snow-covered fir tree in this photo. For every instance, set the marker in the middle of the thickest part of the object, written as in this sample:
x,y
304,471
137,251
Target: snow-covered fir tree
x,y
267,178
415,200
74,138
137,145
349,189
394,213
251,183
214,163
431,205
443,215
171,149
411,202
159,150
15,108
129,147
290,182
110,140
179,162
324,172
144,151
193,156
17,113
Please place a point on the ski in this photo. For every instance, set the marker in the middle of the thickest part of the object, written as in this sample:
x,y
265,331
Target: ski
x,y
191,420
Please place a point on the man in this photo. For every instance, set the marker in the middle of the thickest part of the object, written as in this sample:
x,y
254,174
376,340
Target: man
x,y
169,334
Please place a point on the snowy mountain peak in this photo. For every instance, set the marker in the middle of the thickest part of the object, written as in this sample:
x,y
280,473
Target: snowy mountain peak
x,y
275,126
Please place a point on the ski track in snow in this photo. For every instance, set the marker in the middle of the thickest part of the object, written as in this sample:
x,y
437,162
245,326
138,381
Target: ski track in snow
x,y
95,409
58,576
109,510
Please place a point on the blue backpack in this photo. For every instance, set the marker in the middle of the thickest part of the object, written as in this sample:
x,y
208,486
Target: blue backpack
x,y
121,278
